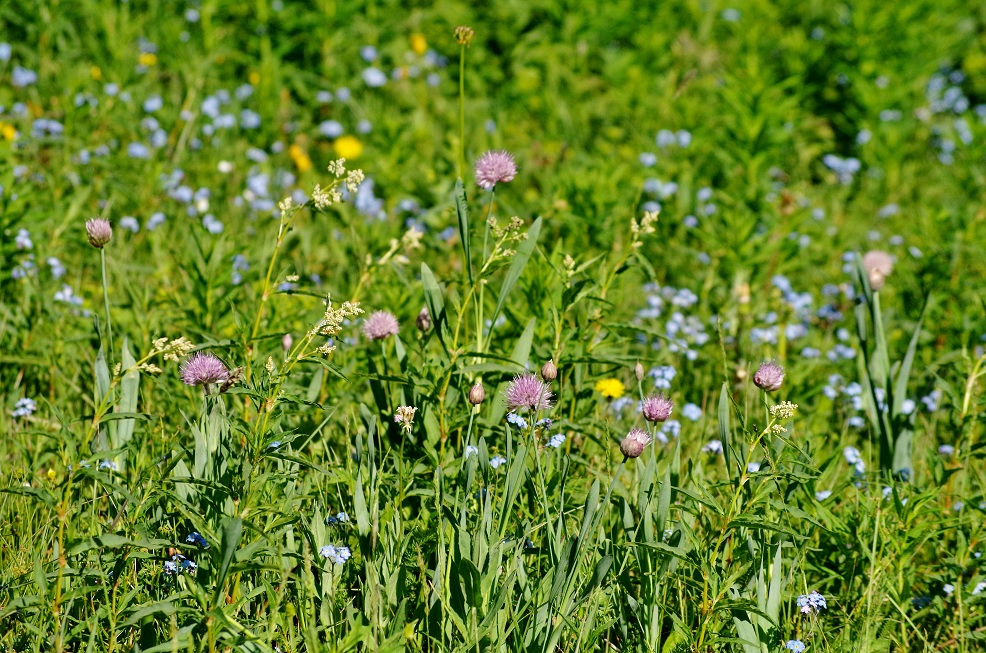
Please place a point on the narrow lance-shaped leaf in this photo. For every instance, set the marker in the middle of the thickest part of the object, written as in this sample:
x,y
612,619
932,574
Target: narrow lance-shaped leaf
x,y
516,268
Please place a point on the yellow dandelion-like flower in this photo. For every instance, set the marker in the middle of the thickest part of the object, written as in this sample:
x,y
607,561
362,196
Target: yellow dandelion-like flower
x,y
348,147
419,44
96,73
147,59
254,78
610,388
301,159
9,131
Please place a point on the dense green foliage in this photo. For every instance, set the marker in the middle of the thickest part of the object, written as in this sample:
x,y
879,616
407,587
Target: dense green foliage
x,y
697,187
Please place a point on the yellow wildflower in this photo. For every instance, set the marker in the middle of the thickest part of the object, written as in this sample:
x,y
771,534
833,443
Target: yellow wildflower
x,y
9,131
147,59
96,73
419,44
254,78
348,147
610,388
301,159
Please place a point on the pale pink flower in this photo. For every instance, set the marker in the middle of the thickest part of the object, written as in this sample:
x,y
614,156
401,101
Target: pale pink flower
x,y
633,444
380,325
657,408
769,376
528,391
494,167
203,368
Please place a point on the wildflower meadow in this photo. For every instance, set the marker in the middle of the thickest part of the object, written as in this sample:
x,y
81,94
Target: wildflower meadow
x,y
524,326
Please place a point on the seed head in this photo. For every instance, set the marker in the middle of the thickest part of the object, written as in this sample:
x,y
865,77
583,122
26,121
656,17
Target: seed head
x,y
549,372
380,325
769,377
99,232
528,391
657,408
638,371
494,167
203,368
633,444
463,34
476,394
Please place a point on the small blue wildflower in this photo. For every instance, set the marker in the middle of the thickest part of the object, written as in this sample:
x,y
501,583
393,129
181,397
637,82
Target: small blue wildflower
x,y
544,423
343,517
496,461
662,375
197,539
276,444
517,420
24,407
470,451
713,447
170,568
946,450
795,646
692,412
337,554
556,441
811,602
822,495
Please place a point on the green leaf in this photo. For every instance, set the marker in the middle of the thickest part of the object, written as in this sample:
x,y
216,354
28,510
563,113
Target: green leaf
x,y
724,431
435,303
231,540
113,541
462,211
516,268
129,387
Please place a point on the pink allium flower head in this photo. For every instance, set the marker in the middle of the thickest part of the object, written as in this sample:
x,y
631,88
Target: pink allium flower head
x,y
380,325
494,167
528,391
99,232
769,376
203,368
878,265
657,408
633,444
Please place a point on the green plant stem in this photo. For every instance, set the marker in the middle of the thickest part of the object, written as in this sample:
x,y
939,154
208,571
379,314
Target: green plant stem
x,y
462,110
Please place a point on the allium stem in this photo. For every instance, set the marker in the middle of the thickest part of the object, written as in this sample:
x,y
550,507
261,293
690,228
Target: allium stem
x,y
106,307
462,110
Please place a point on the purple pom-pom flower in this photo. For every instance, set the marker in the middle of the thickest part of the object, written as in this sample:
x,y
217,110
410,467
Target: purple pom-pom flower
x,y
203,368
380,325
528,391
494,167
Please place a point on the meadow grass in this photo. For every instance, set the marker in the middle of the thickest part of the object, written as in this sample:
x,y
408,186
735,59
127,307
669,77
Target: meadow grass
x,y
341,380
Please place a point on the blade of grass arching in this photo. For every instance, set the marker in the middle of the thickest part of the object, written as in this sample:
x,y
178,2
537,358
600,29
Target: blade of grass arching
x,y
462,211
516,268
881,359
515,480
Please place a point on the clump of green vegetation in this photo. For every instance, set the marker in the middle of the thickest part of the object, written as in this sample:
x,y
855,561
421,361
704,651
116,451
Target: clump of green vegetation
x,y
503,327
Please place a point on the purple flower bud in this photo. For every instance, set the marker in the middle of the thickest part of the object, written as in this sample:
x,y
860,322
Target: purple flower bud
x,y
633,444
99,232
477,394
549,372
424,319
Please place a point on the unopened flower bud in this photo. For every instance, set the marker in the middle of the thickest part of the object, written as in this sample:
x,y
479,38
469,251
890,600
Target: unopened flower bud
x,y
769,377
287,341
633,444
477,394
878,266
549,372
424,319
638,371
99,232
